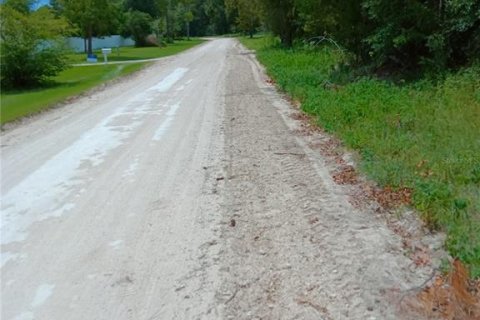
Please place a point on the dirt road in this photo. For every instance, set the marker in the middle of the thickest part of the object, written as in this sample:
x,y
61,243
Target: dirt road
x,y
184,192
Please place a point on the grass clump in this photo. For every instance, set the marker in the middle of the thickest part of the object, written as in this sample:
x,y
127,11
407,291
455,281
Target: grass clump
x,y
423,135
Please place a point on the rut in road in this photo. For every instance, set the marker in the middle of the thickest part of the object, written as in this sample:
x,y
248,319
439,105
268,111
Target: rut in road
x,y
185,192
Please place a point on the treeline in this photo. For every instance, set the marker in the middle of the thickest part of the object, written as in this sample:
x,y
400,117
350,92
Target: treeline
x,y
149,22
397,35
33,39
385,35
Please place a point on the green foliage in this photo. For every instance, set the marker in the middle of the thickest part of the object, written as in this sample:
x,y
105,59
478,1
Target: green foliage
x,y
423,33
420,135
31,46
91,17
390,35
399,36
344,21
22,6
282,17
214,15
151,7
184,16
248,14
138,25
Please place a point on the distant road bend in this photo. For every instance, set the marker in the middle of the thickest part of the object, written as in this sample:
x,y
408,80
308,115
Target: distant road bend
x,y
184,192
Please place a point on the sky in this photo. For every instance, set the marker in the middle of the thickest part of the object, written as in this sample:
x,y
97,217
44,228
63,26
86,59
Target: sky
x,y
37,3
40,3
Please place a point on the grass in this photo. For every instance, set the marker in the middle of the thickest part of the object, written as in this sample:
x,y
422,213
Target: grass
x,y
133,53
422,135
71,82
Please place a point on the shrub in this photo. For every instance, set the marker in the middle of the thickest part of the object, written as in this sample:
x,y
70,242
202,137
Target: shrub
x,y
32,49
139,26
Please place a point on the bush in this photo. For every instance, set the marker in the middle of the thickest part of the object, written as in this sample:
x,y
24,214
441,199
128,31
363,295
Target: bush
x,y
32,49
424,34
139,26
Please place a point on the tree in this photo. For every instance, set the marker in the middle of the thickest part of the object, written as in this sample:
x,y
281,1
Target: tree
x,y
460,25
248,14
32,46
185,15
91,17
282,18
429,34
345,22
22,6
139,26
218,19
152,7
167,15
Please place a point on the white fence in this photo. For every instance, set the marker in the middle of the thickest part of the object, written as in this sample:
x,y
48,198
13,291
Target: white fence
x,y
78,44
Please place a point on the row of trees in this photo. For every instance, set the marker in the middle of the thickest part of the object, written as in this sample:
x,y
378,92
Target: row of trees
x,y
165,19
386,34
392,34
32,39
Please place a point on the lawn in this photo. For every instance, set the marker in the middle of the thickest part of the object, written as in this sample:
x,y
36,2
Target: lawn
x,y
422,135
133,53
71,82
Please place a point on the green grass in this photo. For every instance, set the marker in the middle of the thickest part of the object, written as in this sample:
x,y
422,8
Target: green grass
x,y
133,53
71,82
421,135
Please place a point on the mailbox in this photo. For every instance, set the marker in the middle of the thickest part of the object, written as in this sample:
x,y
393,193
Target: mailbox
x,y
105,52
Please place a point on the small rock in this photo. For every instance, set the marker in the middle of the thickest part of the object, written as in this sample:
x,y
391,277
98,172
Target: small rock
x,y
180,288
233,223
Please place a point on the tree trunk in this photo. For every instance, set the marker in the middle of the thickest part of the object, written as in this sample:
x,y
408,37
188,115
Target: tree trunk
x,y
250,31
287,39
188,30
90,36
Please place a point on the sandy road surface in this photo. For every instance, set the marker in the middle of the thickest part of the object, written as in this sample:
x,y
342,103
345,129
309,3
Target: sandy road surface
x,y
183,193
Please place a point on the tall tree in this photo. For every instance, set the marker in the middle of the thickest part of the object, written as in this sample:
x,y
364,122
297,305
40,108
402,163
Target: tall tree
x,y
22,6
344,21
147,6
138,25
91,17
282,16
248,14
185,15
418,34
